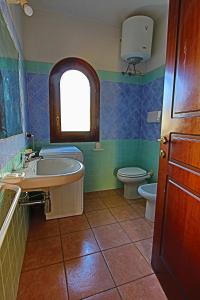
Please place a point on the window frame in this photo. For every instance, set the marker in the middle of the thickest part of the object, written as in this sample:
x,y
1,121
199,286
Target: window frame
x,y
56,135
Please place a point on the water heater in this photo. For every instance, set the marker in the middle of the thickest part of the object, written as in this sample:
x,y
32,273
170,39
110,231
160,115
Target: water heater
x,y
137,33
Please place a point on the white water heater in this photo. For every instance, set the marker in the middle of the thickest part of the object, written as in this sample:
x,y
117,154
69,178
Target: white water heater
x,y
137,33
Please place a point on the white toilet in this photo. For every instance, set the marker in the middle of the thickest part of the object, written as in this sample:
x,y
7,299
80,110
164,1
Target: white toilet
x,y
149,192
132,177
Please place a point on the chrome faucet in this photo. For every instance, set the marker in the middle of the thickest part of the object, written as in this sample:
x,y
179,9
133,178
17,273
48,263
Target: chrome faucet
x,y
27,157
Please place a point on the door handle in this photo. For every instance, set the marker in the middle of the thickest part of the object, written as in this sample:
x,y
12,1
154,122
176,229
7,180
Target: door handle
x,y
58,121
163,140
162,154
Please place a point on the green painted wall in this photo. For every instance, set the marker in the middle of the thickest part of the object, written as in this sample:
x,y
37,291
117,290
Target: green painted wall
x,y
154,74
149,156
44,68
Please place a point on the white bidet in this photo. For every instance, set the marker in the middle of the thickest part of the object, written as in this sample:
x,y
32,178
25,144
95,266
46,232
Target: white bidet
x,y
149,192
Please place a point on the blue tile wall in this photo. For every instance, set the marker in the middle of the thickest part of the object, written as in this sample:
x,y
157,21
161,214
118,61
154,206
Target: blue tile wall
x,y
120,110
38,104
151,100
124,108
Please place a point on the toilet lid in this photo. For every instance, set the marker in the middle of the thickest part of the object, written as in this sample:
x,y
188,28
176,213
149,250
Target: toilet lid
x,y
132,172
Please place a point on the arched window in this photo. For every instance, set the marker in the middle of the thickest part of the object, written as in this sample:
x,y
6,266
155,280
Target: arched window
x,y
74,90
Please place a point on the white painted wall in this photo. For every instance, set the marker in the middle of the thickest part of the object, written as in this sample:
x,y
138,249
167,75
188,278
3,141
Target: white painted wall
x,y
159,44
17,17
49,37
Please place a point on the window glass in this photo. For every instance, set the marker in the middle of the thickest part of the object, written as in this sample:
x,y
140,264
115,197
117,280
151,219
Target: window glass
x,y
75,101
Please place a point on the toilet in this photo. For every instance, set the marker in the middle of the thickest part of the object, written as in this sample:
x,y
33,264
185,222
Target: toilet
x,y
149,192
132,178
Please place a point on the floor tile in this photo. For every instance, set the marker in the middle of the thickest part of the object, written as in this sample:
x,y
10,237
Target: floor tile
x,y
110,236
140,201
87,276
42,253
120,192
78,244
114,201
38,230
137,229
139,208
107,193
145,247
100,217
43,284
126,263
90,195
143,289
122,213
93,204
72,224
151,224
108,295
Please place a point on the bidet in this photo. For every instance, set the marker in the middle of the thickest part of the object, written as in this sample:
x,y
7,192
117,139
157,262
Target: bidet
x,y
149,192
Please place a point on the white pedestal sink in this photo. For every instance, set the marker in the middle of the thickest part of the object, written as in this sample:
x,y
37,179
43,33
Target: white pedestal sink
x,y
41,174
45,173
54,175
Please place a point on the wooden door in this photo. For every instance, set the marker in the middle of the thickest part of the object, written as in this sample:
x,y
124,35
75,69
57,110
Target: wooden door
x,y
176,246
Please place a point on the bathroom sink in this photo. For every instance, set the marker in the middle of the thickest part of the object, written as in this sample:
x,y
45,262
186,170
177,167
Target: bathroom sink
x,y
9,196
42,174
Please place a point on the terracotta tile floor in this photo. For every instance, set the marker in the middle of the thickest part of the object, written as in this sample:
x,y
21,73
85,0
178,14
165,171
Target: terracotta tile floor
x,y
102,255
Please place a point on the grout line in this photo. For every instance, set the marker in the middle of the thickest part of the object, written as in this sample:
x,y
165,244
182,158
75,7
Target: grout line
x,y
63,262
100,250
104,258
64,234
118,247
149,263
41,267
104,224
100,293
120,285
42,238
103,292
132,242
78,257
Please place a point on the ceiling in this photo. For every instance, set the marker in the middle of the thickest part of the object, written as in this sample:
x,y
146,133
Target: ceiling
x,y
111,12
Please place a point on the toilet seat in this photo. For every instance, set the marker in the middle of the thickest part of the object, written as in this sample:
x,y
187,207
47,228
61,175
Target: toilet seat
x,y
132,172
132,177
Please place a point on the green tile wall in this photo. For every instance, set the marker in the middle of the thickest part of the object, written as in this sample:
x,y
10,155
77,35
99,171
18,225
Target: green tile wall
x,y
45,67
155,74
12,254
12,250
100,165
149,156
13,163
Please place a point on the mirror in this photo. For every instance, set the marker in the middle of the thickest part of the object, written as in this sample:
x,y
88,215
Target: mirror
x,y
10,109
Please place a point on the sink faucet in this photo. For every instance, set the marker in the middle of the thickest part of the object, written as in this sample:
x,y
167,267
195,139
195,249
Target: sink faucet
x,y
27,157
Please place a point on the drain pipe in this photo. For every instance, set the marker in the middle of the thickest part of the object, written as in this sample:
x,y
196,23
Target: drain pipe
x,y
25,200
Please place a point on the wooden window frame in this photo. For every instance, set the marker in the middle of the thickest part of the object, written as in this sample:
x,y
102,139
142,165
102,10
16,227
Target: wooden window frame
x,y
56,135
